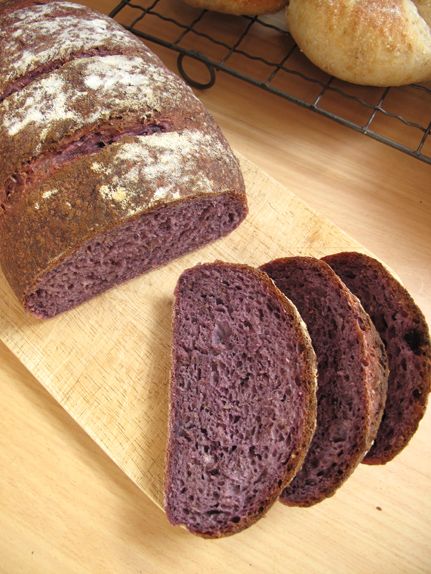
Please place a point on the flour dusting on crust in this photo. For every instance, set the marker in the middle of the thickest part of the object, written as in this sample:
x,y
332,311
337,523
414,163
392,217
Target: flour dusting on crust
x,y
49,193
162,167
33,13
38,35
90,90
50,108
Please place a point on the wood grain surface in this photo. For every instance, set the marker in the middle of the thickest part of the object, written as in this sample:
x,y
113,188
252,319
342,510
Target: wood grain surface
x,y
66,507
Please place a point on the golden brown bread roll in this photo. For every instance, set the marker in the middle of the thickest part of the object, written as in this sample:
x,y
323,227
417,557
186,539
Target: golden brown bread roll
x,y
371,42
241,7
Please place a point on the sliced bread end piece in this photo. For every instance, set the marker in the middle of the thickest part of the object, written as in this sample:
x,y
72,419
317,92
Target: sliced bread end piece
x,y
405,334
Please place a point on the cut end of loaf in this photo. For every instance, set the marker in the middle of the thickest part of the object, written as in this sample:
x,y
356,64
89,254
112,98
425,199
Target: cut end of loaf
x,y
133,248
242,399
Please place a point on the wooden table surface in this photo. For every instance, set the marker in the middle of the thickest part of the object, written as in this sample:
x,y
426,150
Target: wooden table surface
x,y
65,507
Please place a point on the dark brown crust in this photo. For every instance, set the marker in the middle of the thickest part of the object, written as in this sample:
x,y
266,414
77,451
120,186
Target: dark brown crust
x,y
377,375
46,163
36,41
18,151
374,374
309,391
380,453
45,69
8,6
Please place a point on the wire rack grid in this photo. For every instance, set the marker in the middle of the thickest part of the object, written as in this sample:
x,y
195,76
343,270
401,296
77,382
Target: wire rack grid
x,y
260,51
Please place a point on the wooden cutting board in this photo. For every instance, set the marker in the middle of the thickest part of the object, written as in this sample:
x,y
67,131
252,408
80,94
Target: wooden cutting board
x,y
107,362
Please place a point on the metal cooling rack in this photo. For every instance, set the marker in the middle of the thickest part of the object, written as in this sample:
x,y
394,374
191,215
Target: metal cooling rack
x,y
259,51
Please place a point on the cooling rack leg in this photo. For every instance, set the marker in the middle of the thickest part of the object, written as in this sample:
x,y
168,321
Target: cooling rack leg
x,y
194,83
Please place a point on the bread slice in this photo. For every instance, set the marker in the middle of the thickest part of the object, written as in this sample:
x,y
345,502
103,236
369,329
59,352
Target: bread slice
x,y
352,376
404,331
243,402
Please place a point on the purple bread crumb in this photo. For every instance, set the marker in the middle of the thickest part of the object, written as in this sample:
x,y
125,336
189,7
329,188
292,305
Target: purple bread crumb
x,y
134,248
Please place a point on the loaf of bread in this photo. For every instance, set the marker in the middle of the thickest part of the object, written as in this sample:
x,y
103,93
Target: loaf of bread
x,y
109,165
373,42
352,376
240,7
243,398
404,331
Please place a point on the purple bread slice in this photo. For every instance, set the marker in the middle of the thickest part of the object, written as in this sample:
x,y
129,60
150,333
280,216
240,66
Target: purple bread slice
x,y
108,216
242,405
404,331
36,39
352,376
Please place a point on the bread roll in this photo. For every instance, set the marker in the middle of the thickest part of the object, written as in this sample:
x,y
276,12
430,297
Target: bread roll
x,y
370,42
240,7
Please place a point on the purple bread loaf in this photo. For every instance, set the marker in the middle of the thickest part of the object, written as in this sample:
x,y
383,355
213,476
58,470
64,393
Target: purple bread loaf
x,y
352,376
404,331
243,402
109,165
